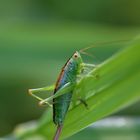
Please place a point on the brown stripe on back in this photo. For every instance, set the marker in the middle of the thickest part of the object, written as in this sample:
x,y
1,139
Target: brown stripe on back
x,y
61,75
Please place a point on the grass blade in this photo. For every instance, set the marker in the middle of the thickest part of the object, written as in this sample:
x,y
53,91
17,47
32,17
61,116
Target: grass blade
x,y
116,87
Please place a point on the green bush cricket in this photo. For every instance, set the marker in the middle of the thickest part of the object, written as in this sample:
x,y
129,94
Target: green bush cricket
x,y
72,71
63,90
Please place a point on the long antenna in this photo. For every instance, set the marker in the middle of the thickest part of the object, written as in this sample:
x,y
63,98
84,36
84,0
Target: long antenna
x,y
90,55
87,53
103,43
83,51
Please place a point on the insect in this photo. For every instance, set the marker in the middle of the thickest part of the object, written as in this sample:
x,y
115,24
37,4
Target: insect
x,y
63,90
73,69
64,87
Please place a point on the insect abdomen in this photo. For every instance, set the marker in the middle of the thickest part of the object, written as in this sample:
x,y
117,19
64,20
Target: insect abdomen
x,y
61,104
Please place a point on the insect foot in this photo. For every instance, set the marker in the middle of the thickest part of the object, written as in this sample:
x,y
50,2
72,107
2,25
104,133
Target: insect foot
x,y
43,103
30,91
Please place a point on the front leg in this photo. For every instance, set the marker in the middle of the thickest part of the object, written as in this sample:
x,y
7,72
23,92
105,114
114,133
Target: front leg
x,y
89,65
86,69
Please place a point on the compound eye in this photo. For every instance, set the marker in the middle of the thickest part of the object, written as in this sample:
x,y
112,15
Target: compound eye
x,y
75,55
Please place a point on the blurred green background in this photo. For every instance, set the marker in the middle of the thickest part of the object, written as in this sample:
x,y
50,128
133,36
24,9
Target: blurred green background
x,y
38,36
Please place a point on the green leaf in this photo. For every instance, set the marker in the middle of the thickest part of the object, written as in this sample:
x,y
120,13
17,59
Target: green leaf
x,y
116,86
